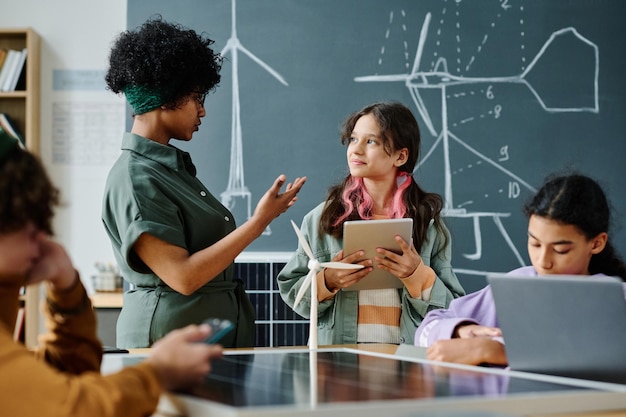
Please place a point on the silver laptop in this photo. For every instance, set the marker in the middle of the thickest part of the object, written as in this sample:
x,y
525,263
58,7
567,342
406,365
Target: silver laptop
x,y
571,326
367,235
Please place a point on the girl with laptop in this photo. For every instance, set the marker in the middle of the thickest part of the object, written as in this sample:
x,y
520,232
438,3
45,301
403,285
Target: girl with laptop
x,y
383,141
568,225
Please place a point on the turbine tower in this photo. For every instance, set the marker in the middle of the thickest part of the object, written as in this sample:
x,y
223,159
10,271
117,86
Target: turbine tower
x,y
236,184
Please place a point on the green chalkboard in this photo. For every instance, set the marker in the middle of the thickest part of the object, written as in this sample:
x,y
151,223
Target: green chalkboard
x,y
506,91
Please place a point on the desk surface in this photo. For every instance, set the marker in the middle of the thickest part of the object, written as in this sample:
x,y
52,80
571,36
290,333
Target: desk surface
x,y
106,299
376,363
366,347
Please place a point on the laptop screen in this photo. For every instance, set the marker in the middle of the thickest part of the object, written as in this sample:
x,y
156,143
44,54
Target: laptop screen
x,y
563,325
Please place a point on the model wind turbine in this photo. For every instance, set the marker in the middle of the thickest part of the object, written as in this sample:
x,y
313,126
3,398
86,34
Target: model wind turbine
x,y
236,185
314,267
440,78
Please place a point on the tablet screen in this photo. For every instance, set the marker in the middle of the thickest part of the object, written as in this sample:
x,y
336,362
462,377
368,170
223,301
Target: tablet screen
x,y
367,235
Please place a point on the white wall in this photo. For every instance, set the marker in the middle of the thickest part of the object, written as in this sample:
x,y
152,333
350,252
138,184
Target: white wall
x,y
76,35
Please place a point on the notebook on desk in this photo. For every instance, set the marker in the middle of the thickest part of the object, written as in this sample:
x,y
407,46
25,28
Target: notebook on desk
x,y
571,326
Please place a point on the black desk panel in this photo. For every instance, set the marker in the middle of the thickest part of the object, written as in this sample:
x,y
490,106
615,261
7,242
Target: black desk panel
x,y
342,377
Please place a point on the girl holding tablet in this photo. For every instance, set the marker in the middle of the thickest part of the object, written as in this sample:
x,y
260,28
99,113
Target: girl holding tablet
x,y
383,141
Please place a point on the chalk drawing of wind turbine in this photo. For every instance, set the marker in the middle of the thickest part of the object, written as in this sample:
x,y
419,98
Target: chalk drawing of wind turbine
x,y
440,78
236,185
309,283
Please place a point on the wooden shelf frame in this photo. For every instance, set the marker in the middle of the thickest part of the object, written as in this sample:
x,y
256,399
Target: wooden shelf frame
x,y
23,106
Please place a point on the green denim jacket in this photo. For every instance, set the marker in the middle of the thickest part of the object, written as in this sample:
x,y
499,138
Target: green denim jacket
x,y
337,321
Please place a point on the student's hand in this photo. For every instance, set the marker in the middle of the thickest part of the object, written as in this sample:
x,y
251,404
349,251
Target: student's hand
x,y
401,265
405,265
473,351
53,265
181,358
468,331
343,278
273,203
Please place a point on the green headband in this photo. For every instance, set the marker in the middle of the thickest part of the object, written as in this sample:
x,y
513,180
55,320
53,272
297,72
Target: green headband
x,y
142,99
7,143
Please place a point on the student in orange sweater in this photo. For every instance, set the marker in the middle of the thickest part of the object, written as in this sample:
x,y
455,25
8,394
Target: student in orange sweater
x,y
61,378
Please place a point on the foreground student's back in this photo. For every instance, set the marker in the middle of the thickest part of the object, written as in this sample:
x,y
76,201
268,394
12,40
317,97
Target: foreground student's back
x,y
383,142
568,234
61,378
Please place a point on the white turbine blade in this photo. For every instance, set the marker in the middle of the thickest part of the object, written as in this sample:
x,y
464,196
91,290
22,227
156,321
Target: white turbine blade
x,y
421,107
263,64
227,48
420,44
305,284
391,77
340,265
303,242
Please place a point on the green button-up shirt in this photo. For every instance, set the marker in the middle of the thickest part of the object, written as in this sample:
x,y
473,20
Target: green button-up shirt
x,y
152,188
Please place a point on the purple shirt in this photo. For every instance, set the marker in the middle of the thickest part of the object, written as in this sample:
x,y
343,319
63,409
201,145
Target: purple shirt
x,y
474,308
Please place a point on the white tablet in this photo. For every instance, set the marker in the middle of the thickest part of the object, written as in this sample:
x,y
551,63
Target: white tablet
x,y
367,235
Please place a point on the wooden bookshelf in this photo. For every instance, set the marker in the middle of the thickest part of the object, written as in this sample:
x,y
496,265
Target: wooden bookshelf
x,y
23,107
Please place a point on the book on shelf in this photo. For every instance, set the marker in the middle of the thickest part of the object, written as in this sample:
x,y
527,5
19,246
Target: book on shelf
x,y
21,80
19,68
3,55
6,124
9,62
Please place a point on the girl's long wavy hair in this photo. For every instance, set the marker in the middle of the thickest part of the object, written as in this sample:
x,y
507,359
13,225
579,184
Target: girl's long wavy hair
x,y
349,200
579,201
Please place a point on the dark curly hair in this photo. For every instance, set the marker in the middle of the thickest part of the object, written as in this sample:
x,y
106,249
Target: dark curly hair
x,y
399,130
163,57
26,192
579,201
